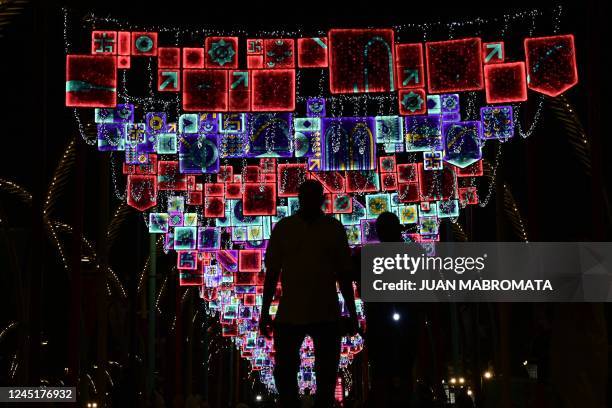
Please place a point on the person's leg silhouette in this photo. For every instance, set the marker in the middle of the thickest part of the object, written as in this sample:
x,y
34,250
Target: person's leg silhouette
x,y
287,342
326,340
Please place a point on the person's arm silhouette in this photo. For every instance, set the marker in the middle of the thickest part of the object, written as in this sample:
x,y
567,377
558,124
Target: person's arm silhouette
x,y
345,271
273,269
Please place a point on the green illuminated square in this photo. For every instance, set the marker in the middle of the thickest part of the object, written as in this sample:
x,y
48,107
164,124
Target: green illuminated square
x,y
158,223
407,214
267,227
307,124
190,220
188,123
389,129
427,209
166,143
434,106
239,234
255,232
185,238
176,204
281,212
377,204
353,234
428,225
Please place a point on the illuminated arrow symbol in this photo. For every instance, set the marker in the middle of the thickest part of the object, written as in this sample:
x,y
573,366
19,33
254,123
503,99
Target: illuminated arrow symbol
x,y
412,74
242,78
171,78
314,164
496,52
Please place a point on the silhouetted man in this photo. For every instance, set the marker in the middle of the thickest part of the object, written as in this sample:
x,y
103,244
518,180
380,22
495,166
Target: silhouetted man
x,y
310,253
390,336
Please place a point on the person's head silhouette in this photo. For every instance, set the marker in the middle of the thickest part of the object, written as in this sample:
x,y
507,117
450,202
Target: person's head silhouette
x,y
388,228
311,198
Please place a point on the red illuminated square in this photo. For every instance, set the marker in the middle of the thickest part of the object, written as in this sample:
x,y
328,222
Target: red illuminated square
x,y
169,80
312,52
267,165
205,90
188,260
141,191
214,207
361,60
332,181
144,44
169,177
225,174
454,66
214,189
473,170
124,62
493,52
245,278
229,329
437,184
505,82
104,42
194,198
259,199
250,299
342,203
388,181
273,90
407,173
551,64
408,192
144,168
468,195
255,61
255,46
249,260
412,101
387,164
91,81
279,53
169,57
221,52
269,177
290,177
233,190
328,205
239,91
409,65
193,57
361,181
251,174
124,43
191,182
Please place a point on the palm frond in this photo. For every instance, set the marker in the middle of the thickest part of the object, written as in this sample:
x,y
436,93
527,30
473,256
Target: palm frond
x,y
514,215
565,113
8,10
15,189
117,219
459,232
60,177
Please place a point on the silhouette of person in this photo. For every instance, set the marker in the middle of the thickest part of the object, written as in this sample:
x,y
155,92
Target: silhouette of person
x,y
309,252
390,336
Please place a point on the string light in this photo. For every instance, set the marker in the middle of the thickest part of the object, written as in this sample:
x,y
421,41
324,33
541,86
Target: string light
x,y
384,105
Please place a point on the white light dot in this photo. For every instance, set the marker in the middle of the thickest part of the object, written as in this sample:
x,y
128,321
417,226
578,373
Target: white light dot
x,y
396,316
